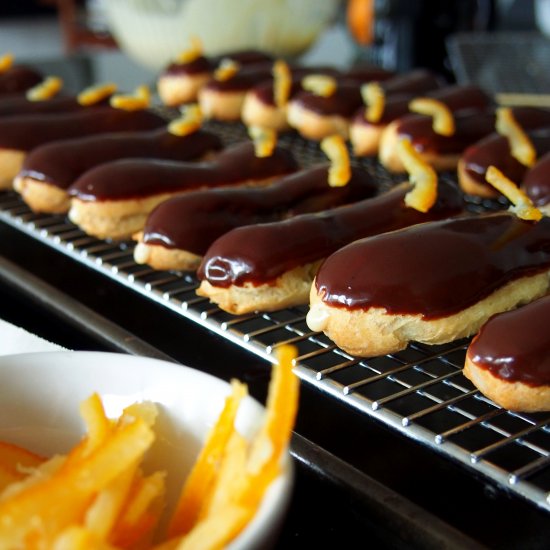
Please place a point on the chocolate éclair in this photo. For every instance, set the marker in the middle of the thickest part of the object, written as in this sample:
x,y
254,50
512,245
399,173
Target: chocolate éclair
x,y
50,169
509,359
365,134
536,184
433,283
444,152
20,134
315,116
179,231
17,79
270,266
181,80
494,150
114,199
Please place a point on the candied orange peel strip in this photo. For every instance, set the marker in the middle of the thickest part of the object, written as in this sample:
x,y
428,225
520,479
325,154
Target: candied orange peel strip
x,y
375,99
95,94
320,84
47,89
190,54
282,82
335,149
226,69
6,62
424,178
140,99
520,145
443,119
522,205
190,121
265,140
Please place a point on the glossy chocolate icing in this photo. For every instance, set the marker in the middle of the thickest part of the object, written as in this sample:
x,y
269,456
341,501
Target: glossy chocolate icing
x,y
244,79
536,183
61,162
24,132
494,150
470,128
515,346
347,99
260,253
20,105
138,178
204,64
18,79
456,97
435,269
193,221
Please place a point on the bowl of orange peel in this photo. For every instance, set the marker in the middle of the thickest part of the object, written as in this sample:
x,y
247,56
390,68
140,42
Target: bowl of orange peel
x,y
112,451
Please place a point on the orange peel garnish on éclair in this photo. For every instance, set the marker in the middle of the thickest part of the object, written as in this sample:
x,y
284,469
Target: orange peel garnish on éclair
x,y
6,62
375,99
522,205
282,83
95,94
226,69
47,89
360,20
190,54
520,145
265,140
319,84
424,178
190,121
443,119
335,149
140,99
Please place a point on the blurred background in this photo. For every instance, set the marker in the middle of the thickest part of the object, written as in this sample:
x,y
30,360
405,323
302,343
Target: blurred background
x,y
134,39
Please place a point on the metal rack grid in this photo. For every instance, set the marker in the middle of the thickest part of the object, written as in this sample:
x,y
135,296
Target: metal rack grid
x,y
420,392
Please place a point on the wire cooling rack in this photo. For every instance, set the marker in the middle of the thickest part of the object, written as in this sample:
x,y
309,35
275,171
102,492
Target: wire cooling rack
x,y
419,392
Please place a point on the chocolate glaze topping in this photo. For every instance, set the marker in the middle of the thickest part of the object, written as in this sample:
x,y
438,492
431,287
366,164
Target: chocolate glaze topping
x,y
495,150
61,162
435,269
347,98
515,346
18,79
537,181
203,64
24,132
20,105
456,97
260,253
193,221
244,79
138,178
470,128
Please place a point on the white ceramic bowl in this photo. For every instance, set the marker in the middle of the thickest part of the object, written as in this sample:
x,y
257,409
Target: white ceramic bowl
x,y
40,395
154,32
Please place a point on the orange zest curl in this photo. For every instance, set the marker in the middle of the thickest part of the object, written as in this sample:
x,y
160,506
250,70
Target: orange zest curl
x,y
282,83
319,84
443,119
375,99
140,99
335,149
424,178
6,62
226,69
189,122
47,89
193,52
520,145
95,94
522,205
265,140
